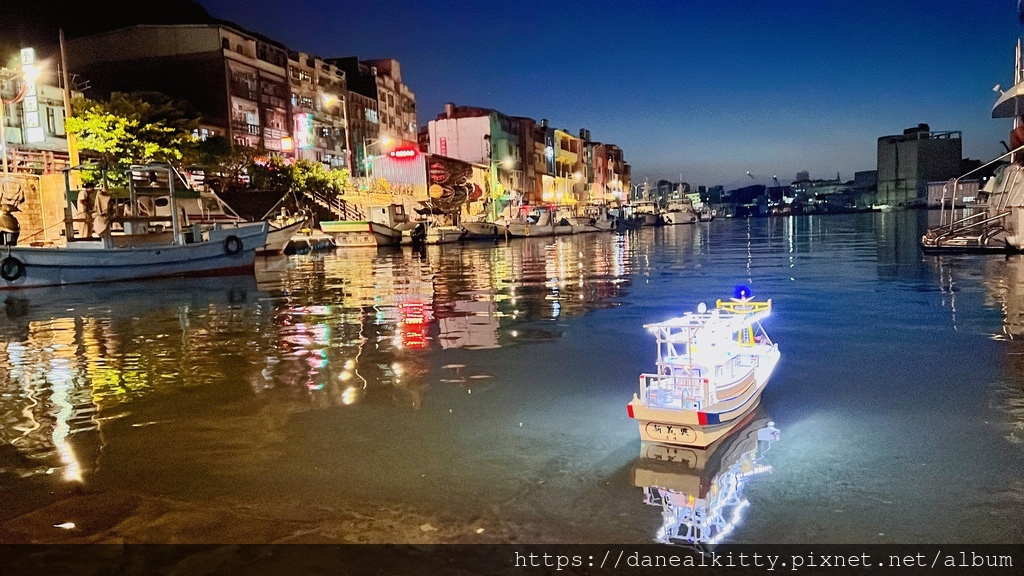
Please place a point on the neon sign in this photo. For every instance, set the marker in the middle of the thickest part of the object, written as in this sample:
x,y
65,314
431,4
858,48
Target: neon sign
x,y
303,131
403,153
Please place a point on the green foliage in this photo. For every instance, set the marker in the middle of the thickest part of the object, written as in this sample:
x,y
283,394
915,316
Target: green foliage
x,y
316,178
270,173
133,128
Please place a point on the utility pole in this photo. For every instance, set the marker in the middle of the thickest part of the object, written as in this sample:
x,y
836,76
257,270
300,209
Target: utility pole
x,y
66,81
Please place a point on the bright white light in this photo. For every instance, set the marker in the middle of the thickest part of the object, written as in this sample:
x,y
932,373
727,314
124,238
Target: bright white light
x,y
31,73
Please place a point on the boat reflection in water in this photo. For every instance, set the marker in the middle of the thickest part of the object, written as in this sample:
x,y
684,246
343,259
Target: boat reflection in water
x,y
700,491
76,357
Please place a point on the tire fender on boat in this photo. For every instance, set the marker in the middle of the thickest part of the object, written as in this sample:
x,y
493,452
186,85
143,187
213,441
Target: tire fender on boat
x,y
232,245
11,269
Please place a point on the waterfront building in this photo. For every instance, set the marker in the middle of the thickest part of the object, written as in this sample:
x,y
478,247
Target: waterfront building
x,y
362,113
607,173
33,117
908,162
319,111
396,103
865,186
237,80
482,136
531,151
429,183
564,185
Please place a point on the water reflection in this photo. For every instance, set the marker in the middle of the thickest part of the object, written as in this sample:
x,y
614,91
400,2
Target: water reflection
x,y
700,492
73,357
347,330
1004,282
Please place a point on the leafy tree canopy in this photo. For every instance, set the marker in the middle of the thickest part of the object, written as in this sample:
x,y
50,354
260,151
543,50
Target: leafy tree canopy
x,y
133,128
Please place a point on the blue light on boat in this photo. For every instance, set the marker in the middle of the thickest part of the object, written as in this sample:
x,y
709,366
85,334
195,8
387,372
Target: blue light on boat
x,y
742,292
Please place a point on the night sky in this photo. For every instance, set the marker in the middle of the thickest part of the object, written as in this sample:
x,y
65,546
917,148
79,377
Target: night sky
x,y
705,89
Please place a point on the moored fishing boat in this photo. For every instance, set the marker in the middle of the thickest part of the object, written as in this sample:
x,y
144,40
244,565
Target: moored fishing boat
x,y
711,369
482,230
131,245
382,229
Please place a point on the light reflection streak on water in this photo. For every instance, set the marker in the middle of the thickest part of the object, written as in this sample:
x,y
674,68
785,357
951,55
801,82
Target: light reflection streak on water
x,y
338,329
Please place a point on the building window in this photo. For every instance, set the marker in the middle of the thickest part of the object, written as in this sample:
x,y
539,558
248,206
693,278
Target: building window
x,y
51,121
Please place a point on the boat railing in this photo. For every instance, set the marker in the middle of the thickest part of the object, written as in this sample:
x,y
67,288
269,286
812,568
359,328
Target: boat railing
x,y
968,226
674,391
744,306
955,185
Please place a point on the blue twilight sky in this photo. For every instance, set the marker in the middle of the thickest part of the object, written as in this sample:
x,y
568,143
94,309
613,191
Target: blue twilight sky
x,y
708,89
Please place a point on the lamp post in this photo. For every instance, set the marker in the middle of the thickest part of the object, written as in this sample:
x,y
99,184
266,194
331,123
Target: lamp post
x,y
367,142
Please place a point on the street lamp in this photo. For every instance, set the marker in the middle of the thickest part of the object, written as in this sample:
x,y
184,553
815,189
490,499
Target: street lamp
x,y
367,142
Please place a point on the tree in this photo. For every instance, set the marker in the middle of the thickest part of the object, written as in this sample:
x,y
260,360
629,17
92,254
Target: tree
x,y
315,178
134,128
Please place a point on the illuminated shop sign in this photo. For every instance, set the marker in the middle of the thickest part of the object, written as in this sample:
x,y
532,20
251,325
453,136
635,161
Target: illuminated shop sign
x,y
404,153
303,131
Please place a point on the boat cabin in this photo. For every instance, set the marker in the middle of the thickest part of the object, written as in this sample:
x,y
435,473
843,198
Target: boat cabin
x,y
391,215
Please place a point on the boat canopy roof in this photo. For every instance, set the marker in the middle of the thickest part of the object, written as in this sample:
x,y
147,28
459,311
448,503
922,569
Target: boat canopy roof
x,y
729,316
1010,103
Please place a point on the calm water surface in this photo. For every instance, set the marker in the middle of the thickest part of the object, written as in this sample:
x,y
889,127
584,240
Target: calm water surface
x,y
477,393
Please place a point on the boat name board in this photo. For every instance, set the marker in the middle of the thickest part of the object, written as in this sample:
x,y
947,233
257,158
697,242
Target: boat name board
x,y
671,433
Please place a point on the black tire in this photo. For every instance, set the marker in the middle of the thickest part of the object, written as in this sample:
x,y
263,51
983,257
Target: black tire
x,y
232,245
11,269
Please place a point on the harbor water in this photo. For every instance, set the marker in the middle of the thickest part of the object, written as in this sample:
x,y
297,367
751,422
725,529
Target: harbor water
x,y
477,393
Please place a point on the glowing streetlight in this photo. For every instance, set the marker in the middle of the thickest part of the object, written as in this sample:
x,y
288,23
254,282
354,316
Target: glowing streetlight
x,y
367,142
29,74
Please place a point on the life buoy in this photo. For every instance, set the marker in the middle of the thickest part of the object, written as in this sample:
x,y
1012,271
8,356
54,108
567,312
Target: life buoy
x,y
232,245
11,269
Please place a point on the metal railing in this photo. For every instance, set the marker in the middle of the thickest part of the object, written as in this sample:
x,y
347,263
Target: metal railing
x,y
662,390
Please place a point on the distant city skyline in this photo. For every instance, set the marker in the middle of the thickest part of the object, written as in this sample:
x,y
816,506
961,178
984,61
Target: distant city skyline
x,y
709,90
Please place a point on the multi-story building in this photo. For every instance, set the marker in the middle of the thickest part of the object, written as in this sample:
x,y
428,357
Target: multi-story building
x,y
396,103
319,111
908,162
237,80
363,117
566,182
482,136
607,179
531,149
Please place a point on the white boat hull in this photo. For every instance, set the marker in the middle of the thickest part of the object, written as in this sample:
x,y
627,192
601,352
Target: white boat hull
x,y
360,234
678,217
700,428
436,235
88,262
278,238
482,230
530,230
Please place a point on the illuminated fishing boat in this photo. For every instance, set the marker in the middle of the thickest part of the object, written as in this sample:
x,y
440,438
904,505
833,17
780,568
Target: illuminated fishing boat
x,y
700,491
711,369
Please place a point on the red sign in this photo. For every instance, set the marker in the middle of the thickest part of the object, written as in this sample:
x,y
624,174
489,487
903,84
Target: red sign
x,y
403,153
